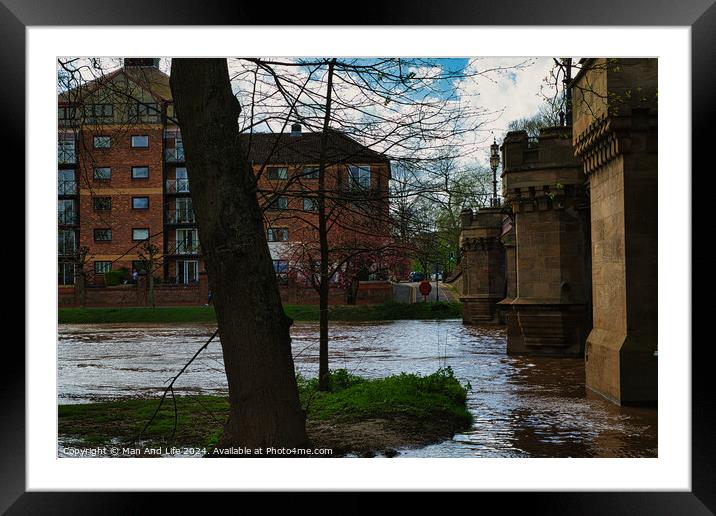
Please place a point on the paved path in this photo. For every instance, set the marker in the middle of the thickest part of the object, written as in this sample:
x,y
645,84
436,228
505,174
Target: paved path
x,y
409,292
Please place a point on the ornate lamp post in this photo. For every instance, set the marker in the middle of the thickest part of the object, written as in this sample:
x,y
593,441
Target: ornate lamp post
x,y
494,163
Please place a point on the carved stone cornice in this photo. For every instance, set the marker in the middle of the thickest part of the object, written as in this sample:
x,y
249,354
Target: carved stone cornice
x,y
607,137
544,198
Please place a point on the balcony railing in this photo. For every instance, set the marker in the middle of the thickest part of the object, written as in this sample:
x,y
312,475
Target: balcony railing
x,y
183,247
177,186
67,219
180,217
67,187
66,248
174,155
66,156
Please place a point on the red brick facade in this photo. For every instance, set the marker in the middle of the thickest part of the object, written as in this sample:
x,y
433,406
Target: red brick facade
x,y
114,195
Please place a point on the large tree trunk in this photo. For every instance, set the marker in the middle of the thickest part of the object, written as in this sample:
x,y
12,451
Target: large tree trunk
x,y
254,330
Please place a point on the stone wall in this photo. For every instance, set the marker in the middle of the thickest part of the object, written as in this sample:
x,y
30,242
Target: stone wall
x,y
543,184
615,120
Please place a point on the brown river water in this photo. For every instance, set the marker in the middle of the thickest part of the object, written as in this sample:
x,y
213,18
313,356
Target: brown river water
x,y
523,406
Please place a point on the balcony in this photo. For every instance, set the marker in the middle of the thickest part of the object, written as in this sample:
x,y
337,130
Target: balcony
x,y
180,217
67,187
175,186
66,156
183,247
175,155
66,248
67,219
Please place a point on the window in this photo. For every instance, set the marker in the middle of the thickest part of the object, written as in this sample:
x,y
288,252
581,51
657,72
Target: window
x,y
310,204
103,235
66,273
102,173
280,267
310,172
66,150
66,113
277,234
359,177
138,265
141,141
140,203
278,173
140,172
183,212
98,112
140,234
102,142
102,267
66,242
181,183
66,213
144,112
279,203
187,271
187,241
66,182
102,203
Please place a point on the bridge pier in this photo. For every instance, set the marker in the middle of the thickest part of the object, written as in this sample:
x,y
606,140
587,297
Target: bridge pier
x,y
615,136
544,185
483,265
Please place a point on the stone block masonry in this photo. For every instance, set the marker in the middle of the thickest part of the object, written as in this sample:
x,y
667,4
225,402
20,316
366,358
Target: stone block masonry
x,y
615,120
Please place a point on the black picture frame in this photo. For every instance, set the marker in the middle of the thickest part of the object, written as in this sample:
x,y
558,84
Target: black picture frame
x,y
700,15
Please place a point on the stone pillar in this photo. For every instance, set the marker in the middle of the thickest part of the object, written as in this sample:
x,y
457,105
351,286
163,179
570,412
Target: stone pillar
x,y
544,185
514,335
615,136
483,265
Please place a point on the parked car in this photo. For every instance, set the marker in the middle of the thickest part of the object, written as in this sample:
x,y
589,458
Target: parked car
x,y
416,276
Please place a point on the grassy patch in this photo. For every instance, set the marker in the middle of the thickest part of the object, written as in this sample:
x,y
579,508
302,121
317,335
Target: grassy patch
x,y
205,314
352,398
436,401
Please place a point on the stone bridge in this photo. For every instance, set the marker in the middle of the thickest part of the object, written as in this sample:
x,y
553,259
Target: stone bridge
x,y
569,262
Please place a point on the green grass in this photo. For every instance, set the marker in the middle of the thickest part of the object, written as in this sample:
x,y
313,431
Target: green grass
x,y
423,398
436,399
205,314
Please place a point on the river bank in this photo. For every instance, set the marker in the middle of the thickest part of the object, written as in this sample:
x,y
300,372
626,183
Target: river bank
x,y
205,314
357,416
522,406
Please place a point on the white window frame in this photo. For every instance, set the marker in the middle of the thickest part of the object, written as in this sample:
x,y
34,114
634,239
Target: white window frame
x,y
363,173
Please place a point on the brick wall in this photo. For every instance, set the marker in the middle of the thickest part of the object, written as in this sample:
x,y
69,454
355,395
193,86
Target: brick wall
x,y
121,188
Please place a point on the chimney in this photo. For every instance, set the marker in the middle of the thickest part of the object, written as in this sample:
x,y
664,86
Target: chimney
x,y
295,129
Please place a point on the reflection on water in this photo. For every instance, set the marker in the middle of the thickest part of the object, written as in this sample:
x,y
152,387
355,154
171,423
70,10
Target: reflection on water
x,y
523,406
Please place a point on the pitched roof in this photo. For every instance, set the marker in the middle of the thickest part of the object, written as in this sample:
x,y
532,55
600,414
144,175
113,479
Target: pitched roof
x,y
148,78
285,148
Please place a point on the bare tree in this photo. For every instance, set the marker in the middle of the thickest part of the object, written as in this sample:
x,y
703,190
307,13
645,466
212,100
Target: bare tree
x,y
263,394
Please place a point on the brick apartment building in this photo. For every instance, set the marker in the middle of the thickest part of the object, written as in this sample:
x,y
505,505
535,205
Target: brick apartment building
x,y
122,181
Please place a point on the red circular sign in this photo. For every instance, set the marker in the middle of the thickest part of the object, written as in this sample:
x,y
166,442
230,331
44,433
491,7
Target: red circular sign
x,y
425,287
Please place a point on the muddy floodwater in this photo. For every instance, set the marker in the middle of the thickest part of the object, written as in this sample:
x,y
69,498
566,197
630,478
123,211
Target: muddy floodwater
x,y
523,406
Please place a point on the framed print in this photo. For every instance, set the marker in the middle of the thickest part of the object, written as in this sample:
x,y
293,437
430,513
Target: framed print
x,y
450,269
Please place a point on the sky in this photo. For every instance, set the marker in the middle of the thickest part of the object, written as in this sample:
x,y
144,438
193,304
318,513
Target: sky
x,y
494,91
